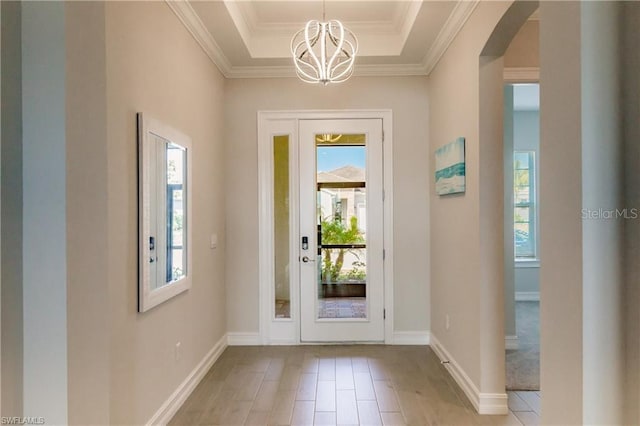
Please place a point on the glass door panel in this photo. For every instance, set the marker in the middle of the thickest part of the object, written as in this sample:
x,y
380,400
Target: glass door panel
x,y
341,230
341,220
281,215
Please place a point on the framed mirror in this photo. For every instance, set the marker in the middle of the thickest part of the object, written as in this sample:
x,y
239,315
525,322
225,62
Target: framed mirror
x,y
164,212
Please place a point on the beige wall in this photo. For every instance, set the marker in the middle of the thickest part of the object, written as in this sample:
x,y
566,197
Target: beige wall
x,y
154,65
631,89
602,187
406,96
89,357
561,202
11,335
581,279
44,240
87,209
527,280
457,277
524,50
491,195
509,270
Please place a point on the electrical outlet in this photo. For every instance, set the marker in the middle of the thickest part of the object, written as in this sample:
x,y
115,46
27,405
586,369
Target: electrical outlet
x,y
178,353
447,323
213,241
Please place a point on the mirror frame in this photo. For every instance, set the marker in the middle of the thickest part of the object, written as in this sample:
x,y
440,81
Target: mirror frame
x,y
149,297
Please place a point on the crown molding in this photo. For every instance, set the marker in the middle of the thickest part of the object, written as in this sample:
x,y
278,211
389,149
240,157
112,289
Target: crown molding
x,y
521,74
200,33
279,71
456,20
389,70
395,70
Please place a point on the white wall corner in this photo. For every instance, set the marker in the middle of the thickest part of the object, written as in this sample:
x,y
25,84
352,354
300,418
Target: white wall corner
x,y
511,342
411,337
171,406
484,403
527,296
244,339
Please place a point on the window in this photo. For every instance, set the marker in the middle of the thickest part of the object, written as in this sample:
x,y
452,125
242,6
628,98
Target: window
x,y
174,215
524,215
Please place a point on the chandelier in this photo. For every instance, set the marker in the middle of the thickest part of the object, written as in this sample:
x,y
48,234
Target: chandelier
x,y
324,52
326,138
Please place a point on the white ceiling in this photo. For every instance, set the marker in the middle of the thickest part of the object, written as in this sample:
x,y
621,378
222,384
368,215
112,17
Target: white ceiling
x,y
251,38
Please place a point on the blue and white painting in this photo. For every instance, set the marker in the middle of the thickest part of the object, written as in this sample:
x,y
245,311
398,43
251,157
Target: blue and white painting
x,y
450,168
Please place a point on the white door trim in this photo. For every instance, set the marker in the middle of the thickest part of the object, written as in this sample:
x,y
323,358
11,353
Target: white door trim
x,y
277,331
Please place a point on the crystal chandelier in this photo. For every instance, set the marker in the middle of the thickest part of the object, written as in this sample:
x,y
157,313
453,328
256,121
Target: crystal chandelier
x,y
324,52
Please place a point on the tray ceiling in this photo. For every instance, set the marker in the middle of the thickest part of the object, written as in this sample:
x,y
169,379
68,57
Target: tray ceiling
x,y
251,38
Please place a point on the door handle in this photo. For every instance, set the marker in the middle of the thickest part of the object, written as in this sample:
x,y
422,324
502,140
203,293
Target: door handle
x,y
306,259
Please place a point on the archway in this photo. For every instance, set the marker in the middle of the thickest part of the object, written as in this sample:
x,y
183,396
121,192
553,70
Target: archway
x,y
491,93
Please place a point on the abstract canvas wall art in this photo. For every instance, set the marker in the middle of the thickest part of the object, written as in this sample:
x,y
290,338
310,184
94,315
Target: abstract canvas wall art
x,y
450,168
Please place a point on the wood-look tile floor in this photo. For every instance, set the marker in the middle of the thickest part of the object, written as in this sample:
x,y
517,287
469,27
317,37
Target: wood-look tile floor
x,y
526,406
330,385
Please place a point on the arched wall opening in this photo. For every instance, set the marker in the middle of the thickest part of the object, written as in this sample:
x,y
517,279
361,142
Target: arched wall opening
x,y
582,281
467,272
494,260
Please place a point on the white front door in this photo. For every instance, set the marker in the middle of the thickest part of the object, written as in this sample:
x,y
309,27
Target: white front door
x,y
341,230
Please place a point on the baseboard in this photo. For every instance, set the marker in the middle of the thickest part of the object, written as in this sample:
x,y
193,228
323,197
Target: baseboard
x,y
283,342
527,296
484,403
493,404
410,337
511,342
243,339
171,406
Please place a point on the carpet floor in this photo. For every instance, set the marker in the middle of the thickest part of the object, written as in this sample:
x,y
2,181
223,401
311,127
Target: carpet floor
x,y
523,364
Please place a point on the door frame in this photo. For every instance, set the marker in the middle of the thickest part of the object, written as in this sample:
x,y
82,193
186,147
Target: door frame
x,y
286,331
